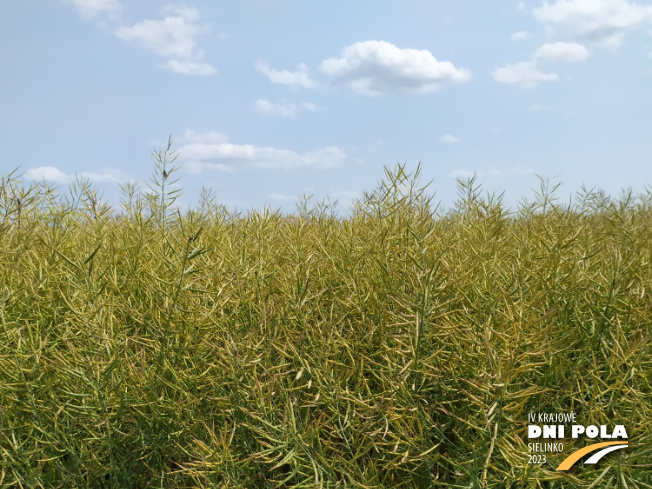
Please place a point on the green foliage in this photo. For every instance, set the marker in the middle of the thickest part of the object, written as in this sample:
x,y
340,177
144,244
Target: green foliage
x,y
163,191
399,347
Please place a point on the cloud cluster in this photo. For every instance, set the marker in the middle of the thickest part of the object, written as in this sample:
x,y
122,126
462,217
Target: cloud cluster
x,y
96,9
174,37
525,74
529,74
53,174
567,52
449,139
379,67
603,22
375,68
520,35
293,79
212,150
282,108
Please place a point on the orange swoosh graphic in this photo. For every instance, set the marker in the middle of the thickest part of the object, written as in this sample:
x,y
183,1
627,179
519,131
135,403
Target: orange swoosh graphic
x,y
575,456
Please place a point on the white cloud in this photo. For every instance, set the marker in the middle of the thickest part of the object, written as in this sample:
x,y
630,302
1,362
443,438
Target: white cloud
x,y
173,37
53,174
525,74
379,67
520,35
603,22
211,151
294,79
93,9
282,108
561,51
211,137
191,14
447,138
528,74
196,167
189,67
49,173
309,106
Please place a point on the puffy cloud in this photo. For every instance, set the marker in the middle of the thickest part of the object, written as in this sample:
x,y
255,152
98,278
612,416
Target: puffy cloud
x,y
189,67
211,137
379,67
520,35
49,173
603,22
213,151
191,14
561,51
528,74
173,37
525,74
309,106
293,79
53,174
282,108
93,9
447,138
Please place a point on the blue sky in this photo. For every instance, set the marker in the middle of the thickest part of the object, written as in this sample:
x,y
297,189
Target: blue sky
x,y
270,99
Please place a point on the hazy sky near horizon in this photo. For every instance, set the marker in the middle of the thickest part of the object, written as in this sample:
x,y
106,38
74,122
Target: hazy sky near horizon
x,y
270,99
